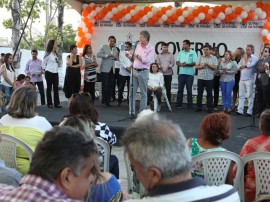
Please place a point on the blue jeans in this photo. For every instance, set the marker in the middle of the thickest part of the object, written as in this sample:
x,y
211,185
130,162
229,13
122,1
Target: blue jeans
x,y
184,79
8,93
226,89
208,84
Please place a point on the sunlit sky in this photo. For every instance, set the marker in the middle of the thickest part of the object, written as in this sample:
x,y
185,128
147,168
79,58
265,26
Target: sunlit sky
x,y
5,34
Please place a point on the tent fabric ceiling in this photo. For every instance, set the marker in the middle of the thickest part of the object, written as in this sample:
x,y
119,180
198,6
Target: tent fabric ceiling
x,y
147,1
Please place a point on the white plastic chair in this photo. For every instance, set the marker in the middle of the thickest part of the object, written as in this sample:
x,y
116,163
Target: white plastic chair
x,y
164,94
261,161
216,165
8,148
106,147
130,177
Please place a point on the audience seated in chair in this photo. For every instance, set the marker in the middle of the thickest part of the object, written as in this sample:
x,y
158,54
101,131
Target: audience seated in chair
x,y
22,122
106,186
158,153
63,167
81,104
257,144
8,176
214,130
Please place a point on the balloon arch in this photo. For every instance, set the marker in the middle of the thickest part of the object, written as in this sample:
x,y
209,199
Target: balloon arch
x,y
167,15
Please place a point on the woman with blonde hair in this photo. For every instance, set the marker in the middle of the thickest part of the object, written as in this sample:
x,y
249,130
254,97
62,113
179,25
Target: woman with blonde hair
x,y
22,122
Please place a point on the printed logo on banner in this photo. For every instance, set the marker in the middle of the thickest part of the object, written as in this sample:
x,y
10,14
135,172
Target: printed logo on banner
x,y
216,25
118,24
142,25
255,24
129,36
106,24
166,25
96,24
191,25
129,24
153,25
229,25
203,25
243,25
175,25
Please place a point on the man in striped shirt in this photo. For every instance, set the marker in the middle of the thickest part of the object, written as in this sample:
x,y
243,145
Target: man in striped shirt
x,y
160,157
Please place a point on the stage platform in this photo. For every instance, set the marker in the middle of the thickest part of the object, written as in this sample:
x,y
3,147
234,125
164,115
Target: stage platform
x,y
187,119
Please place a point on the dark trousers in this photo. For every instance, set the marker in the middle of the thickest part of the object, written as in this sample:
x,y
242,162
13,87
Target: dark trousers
x,y
107,80
263,96
185,80
208,84
157,93
116,82
216,90
89,87
114,166
168,85
122,82
52,82
41,91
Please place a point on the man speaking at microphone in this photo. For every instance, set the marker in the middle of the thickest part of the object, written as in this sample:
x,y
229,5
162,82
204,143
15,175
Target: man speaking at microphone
x,y
143,57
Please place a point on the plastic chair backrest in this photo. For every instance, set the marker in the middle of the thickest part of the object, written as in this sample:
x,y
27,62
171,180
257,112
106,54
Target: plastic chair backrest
x,y
106,147
216,165
261,161
8,148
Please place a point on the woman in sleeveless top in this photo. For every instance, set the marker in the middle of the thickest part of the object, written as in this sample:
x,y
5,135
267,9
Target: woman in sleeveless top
x,y
72,82
8,78
90,74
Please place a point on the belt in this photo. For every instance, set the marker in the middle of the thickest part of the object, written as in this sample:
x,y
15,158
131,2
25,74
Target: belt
x,y
140,69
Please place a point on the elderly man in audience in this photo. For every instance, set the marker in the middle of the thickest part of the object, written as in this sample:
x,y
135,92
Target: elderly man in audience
x,y
63,168
246,80
160,157
256,144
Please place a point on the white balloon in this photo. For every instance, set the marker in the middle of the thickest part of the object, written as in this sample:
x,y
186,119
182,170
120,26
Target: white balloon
x,y
164,17
120,7
168,13
145,18
141,21
84,6
150,14
196,20
190,9
138,8
98,9
109,15
181,19
210,11
258,11
256,17
160,21
174,9
264,32
201,16
132,12
247,8
128,17
177,23
217,21
268,36
82,24
185,13
93,13
85,29
154,9
253,6
221,16
262,15
244,14
88,36
228,10
238,19
92,4
114,10
77,38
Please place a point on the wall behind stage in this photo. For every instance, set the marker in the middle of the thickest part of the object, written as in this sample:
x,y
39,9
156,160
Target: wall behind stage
x,y
224,36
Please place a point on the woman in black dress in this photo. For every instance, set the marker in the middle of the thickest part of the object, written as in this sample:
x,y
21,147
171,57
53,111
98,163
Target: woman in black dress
x,y
72,82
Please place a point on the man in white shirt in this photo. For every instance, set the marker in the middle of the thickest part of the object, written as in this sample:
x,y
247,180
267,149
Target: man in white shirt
x,y
246,65
124,74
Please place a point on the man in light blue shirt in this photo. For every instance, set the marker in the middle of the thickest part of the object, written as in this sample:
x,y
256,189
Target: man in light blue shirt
x,y
186,61
246,65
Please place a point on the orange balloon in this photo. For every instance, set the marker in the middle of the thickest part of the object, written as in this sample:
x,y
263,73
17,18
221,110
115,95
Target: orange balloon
x,y
195,12
250,15
200,9
159,14
208,17
215,14
267,25
206,8
217,9
233,15
259,4
223,7
81,34
238,10
179,12
169,7
264,38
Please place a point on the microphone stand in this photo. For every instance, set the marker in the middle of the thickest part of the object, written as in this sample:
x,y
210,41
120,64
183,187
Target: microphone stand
x,y
255,104
132,113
